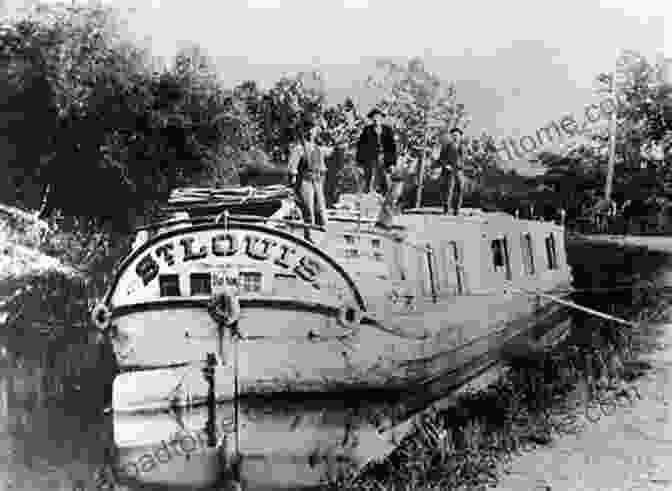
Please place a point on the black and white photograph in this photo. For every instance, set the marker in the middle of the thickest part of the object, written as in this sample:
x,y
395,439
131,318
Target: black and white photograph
x,y
367,245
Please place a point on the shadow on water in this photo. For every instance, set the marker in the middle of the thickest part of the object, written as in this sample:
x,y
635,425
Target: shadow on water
x,y
56,374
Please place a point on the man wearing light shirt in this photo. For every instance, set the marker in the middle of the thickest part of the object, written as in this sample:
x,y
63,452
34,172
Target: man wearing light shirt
x,y
308,169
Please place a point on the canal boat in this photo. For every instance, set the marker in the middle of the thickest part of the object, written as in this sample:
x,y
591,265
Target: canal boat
x,y
229,276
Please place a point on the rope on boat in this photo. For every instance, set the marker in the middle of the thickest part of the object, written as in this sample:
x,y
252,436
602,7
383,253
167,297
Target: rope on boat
x,y
185,198
576,306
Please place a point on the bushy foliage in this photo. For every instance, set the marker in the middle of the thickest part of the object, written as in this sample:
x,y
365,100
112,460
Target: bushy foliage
x,y
421,104
110,135
643,132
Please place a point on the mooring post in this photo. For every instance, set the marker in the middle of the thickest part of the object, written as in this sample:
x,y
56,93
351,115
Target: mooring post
x,y
209,374
236,389
236,335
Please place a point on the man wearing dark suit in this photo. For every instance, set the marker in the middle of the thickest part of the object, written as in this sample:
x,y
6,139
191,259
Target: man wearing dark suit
x,y
376,153
451,160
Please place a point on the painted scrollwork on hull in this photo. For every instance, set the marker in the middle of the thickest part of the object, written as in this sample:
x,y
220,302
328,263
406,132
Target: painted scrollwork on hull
x,y
270,263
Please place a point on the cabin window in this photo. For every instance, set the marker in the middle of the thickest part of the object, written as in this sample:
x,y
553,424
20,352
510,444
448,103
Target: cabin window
x,y
250,281
528,254
453,269
169,285
349,239
375,243
500,256
551,253
200,284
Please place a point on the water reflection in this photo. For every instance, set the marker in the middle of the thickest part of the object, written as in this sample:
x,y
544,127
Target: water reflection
x,y
280,444
46,444
55,372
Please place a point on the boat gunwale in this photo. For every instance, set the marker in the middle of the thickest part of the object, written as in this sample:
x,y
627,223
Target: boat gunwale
x,y
203,302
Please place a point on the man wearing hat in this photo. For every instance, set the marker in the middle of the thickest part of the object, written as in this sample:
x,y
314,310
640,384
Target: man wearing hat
x,y
451,161
376,153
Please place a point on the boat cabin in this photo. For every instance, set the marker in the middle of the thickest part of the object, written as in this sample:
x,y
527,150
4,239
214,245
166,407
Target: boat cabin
x,y
425,255
432,255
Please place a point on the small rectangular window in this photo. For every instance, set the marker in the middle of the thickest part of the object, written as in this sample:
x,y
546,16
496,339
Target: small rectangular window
x,y
169,285
378,256
375,243
497,253
528,254
349,239
454,279
250,281
200,284
551,253
500,256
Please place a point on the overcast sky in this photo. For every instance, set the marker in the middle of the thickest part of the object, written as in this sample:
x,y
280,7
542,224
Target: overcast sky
x,y
518,64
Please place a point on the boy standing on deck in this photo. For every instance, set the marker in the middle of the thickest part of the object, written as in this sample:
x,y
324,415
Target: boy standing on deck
x,y
308,170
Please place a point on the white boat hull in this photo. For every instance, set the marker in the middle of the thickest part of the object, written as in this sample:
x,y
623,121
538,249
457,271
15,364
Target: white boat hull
x,y
370,360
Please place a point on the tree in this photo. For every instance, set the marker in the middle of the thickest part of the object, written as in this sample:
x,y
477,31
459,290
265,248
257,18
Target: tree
x,y
422,106
643,136
293,100
344,124
118,135
420,103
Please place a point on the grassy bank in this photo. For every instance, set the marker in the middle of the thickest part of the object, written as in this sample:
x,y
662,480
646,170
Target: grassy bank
x,y
50,277
31,246
538,399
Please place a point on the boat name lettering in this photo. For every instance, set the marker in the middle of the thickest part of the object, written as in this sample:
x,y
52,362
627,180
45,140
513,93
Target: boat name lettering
x,y
226,245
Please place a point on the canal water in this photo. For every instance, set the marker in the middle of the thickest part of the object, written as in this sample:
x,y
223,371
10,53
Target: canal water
x,y
55,381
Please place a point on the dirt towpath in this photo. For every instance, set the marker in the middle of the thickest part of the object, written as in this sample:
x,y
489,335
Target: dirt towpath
x,y
630,449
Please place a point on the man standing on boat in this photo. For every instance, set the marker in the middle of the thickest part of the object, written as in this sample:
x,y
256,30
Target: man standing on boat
x,y
377,153
451,160
308,169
